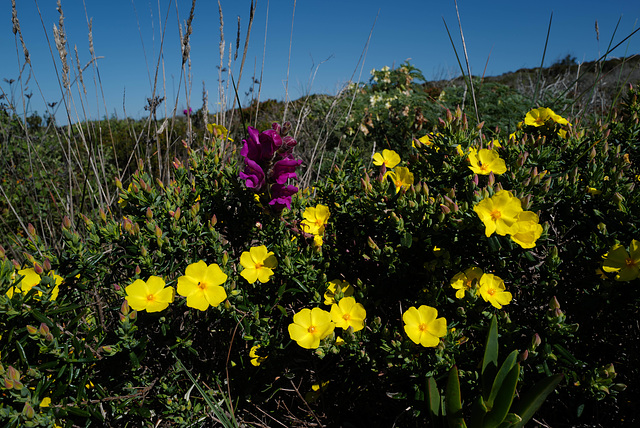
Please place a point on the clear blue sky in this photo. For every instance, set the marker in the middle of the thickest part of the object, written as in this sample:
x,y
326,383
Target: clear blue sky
x,y
330,35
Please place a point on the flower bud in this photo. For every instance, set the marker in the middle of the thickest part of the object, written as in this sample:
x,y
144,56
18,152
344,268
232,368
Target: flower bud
x,y
286,128
553,303
66,222
28,411
138,270
449,116
535,341
43,330
149,213
492,179
38,268
476,180
31,329
125,309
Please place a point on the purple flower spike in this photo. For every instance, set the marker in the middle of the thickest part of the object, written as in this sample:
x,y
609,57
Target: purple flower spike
x,y
253,174
281,195
269,164
285,169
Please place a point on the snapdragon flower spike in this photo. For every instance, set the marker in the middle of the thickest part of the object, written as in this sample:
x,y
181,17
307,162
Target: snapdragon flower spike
x,y
269,164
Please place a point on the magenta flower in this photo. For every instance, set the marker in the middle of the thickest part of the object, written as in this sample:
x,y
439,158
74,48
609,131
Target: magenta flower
x,y
268,164
281,196
285,169
253,175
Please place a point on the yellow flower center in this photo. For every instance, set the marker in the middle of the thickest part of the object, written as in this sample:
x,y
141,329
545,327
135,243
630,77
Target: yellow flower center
x,y
484,168
202,285
346,317
312,329
491,291
423,327
319,222
150,297
630,262
495,214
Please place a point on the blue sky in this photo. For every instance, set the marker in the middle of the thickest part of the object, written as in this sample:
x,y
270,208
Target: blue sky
x,y
328,40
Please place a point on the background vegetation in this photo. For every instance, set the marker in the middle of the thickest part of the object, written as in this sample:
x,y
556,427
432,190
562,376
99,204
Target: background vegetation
x,y
95,205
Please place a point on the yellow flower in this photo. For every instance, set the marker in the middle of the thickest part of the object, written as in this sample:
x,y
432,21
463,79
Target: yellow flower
x,y
347,313
526,230
218,131
423,327
496,143
310,326
315,219
151,295
401,177
499,212
256,359
486,161
538,116
625,264
492,290
388,158
202,285
46,402
56,289
426,140
335,287
258,264
465,281
559,119
593,191
31,279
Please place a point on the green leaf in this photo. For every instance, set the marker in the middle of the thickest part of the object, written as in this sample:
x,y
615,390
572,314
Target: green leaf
x,y
510,421
406,240
433,402
503,400
478,413
533,399
452,400
490,360
506,367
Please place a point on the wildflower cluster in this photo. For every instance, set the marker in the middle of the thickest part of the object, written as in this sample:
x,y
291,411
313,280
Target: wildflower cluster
x,y
269,164
544,121
311,326
503,214
400,176
475,282
315,222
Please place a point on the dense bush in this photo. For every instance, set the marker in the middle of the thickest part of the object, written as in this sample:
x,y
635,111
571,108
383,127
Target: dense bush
x,y
220,299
